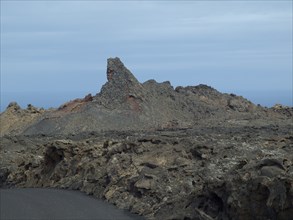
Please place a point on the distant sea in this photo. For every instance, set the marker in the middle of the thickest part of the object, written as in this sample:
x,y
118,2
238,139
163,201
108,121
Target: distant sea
x,y
55,99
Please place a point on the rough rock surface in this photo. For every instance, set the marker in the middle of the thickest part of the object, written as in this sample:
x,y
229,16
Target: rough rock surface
x,y
14,120
201,173
164,153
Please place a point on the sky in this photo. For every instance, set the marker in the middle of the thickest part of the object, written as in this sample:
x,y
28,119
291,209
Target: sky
x,y
53,52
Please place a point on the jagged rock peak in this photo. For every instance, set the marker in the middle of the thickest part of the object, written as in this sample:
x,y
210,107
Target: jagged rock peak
x,y
116,71
121,87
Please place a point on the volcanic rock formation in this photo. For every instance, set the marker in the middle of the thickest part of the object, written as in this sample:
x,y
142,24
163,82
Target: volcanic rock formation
x,y
126,104
15,120
164,153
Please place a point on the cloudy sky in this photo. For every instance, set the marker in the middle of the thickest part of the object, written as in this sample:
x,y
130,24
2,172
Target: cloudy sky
x,y
52,52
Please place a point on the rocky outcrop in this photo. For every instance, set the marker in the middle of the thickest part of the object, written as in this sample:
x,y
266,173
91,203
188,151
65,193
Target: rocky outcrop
x,y
203,173
13,106
14,120
122,89
285,110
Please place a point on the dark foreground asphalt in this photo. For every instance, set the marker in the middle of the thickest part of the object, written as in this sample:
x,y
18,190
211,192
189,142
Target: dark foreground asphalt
x,y
53,204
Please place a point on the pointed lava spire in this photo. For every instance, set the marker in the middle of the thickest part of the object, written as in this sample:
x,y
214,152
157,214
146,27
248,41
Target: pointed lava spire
x,y
121,84
116,71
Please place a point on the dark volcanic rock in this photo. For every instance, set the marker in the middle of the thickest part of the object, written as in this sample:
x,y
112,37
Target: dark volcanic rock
x,y
185,153
203,173
126,104
122,87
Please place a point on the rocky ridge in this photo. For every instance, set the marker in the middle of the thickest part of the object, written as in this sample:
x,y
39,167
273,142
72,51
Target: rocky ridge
x,y
126,104
15,120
